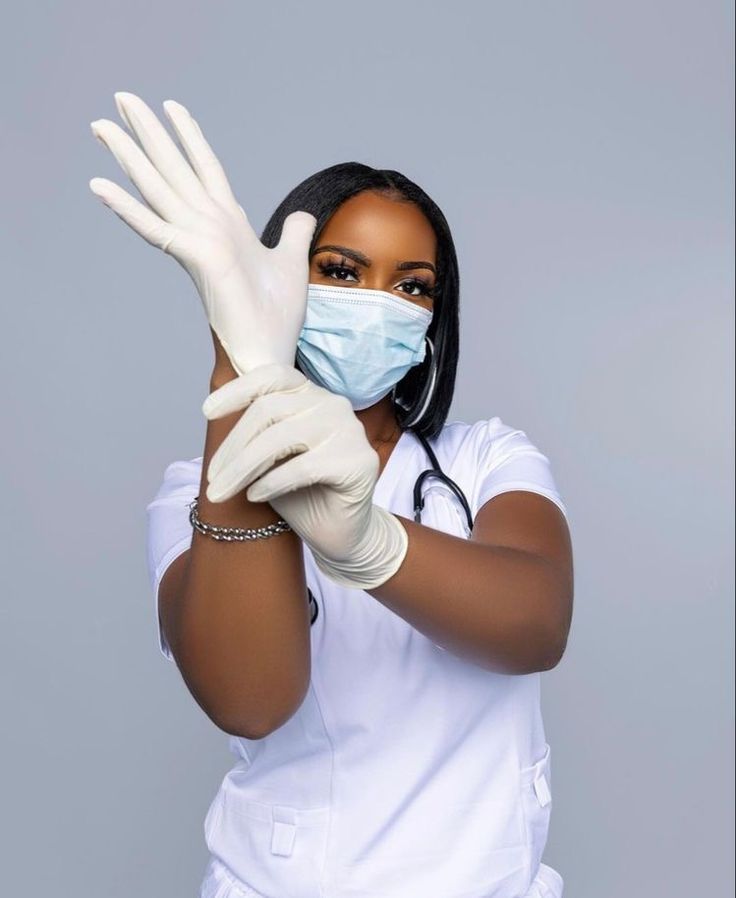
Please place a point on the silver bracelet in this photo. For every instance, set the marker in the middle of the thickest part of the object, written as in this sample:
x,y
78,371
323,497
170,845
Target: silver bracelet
x,y
234,533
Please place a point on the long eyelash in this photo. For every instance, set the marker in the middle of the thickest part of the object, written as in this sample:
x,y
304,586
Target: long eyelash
x,y
426,289
327,268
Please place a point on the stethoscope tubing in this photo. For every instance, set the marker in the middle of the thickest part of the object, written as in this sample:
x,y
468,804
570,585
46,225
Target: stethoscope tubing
x,y
436,472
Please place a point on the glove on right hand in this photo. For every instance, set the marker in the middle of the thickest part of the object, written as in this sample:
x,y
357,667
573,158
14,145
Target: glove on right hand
x,y
325,491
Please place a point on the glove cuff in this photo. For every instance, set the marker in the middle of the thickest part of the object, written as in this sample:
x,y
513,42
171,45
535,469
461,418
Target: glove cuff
x,y
377,561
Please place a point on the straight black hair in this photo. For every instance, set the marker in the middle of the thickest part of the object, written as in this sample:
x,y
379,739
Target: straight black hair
x,y
321,194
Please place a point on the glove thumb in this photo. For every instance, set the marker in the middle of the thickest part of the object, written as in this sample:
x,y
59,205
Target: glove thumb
x,y
296,233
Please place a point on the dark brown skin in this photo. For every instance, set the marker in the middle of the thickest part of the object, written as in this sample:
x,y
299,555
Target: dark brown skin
x,y
236,614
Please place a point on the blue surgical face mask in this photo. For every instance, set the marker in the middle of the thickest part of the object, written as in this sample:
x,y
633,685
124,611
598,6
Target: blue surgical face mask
x,y
360,342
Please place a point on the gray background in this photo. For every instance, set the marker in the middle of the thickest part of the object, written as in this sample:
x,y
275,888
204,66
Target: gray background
x,y
582,154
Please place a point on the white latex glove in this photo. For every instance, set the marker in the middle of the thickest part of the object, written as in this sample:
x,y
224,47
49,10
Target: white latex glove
x,y
326,491
255,297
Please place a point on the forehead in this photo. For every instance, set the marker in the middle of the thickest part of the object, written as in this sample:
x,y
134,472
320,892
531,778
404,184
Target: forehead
x,y
382,228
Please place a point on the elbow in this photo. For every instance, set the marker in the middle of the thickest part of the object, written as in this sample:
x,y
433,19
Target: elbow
x,y
552,641
551,636
236,728
554,649
544,654
542,646
258,726
244,729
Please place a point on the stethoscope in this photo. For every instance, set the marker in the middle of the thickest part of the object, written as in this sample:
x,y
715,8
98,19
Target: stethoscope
x,y
435,471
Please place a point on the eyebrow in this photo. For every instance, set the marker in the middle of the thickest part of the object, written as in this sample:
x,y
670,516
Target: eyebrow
x,y
365,261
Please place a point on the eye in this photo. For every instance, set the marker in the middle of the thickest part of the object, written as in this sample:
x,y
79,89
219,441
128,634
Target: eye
x,y
423,287
331,268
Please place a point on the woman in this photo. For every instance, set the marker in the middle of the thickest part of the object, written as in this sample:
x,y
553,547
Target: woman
x,y
378,675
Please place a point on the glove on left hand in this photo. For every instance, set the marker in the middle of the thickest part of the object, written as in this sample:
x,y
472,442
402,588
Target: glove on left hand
x,y
325,492
255,297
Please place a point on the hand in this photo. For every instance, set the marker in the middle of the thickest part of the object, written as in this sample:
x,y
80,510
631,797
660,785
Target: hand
x,y
325,492
255,297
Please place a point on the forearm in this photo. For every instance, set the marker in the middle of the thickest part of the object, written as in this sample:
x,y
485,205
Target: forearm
x,y
493,605
242,634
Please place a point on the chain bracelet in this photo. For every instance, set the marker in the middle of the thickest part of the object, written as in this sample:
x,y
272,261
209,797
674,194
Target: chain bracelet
x,y
234,533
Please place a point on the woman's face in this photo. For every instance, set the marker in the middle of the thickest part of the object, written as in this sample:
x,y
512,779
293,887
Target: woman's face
x,y
378,243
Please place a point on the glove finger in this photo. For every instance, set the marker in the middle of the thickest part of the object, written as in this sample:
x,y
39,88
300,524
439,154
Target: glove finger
x,y
278,441
296,235
334,466
154,189
206,164
153,229
292,475
161,149
261,414
241,391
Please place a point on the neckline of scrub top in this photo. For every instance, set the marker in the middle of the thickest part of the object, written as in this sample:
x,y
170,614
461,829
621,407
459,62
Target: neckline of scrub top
x,y
395,464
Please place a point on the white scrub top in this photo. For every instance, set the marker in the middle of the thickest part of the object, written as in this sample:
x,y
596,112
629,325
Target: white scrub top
x,y
407,772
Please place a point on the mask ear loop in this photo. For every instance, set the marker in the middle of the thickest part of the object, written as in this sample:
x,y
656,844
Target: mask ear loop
x,y
429,388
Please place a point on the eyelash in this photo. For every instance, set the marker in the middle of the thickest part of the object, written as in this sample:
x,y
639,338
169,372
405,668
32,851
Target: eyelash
x,y
327,267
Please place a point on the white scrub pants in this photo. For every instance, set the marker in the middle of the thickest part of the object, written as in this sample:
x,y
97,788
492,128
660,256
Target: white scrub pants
x,y
220,883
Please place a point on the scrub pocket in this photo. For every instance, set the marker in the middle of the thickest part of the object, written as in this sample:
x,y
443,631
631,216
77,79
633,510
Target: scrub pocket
x,y
272,849
536,804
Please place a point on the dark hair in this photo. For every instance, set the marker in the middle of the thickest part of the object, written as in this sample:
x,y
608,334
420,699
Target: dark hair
x,y
321,194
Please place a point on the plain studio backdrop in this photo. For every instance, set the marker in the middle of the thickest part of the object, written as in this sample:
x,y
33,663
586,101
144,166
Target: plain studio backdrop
x,y
582,153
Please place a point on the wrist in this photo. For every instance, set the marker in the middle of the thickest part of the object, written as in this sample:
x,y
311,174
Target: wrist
x,y
378,557
220,376
223,370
